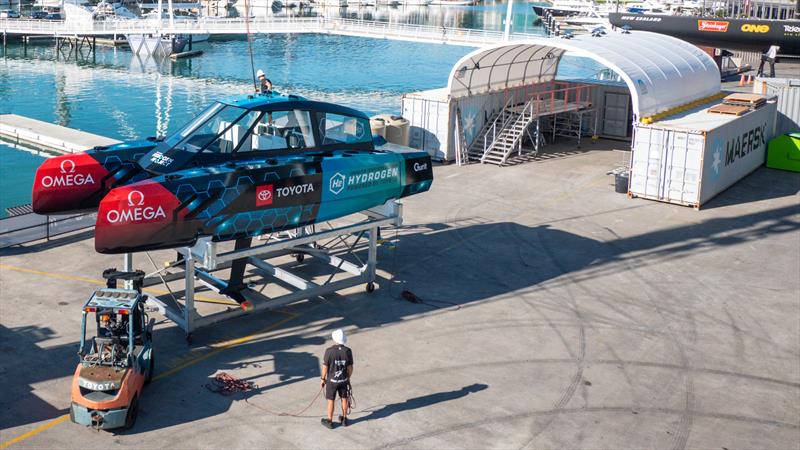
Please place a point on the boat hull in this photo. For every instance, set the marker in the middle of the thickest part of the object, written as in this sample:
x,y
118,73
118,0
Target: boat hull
x,y
77,182
240,200
727,33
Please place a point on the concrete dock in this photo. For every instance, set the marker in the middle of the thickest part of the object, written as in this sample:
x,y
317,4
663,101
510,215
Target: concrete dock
x,y
558,314
44,135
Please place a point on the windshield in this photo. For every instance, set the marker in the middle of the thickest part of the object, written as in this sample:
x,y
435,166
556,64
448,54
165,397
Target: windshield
x,y
280,130
219,128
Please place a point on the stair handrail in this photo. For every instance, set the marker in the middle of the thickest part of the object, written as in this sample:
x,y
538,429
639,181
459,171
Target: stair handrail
x,y
521,118
503,113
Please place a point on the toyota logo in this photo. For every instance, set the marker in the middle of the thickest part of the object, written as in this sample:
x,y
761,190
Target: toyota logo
x,y
131,197
72,166
264,195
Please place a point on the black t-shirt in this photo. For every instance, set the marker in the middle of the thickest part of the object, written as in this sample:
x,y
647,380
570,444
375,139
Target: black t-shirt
x,y
336,359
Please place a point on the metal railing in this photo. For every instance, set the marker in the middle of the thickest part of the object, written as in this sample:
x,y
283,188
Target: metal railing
x,y
506,114
541,99
356,27
30,227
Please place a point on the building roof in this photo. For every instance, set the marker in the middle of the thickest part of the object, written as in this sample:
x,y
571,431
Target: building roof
x,y
661,72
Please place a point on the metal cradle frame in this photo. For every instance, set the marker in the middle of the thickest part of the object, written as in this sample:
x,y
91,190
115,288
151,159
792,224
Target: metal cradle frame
x,y
335,246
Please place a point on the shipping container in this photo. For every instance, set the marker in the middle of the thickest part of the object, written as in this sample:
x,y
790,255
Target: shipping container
x,y
690,157
788,92
429,115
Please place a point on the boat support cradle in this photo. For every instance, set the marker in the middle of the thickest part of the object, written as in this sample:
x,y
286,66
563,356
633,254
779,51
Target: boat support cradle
x,y
335,247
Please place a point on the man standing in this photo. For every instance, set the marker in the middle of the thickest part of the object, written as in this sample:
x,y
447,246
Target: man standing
x,y
264,84
768,56
337,368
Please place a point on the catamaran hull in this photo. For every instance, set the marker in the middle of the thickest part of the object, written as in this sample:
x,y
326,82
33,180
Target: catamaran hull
x,y
237,201
73,183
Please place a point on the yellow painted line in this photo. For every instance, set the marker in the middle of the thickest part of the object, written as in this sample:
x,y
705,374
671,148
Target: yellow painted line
x,y
217,348
101,283
35,431
51,275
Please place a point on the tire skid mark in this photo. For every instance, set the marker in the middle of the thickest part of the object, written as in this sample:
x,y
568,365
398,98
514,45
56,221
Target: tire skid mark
x,y
598,409
569,392
684,425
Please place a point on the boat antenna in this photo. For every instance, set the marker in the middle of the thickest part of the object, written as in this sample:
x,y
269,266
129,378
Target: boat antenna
x,y
250,42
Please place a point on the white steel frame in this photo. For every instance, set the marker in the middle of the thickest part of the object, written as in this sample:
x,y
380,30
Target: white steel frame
x,y
334,246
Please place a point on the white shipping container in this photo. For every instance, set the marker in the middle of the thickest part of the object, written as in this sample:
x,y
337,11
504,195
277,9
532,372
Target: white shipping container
x,y
788,92
429,115
691,157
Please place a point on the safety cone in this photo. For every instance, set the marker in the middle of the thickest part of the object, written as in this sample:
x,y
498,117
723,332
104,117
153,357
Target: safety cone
x,y
742,80
749,79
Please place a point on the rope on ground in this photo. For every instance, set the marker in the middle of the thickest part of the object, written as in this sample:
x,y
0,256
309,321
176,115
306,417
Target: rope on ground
x,y
226,384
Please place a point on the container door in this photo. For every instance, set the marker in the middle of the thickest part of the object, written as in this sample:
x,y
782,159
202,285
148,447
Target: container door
x,y
647,168
616,114
666,165
682,171
414,111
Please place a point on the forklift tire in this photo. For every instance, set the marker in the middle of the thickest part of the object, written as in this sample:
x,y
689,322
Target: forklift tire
x,y
150,369
72,414
133,411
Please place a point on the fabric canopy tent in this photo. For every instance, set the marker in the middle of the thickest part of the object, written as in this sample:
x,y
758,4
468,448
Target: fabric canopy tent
x,y
661,72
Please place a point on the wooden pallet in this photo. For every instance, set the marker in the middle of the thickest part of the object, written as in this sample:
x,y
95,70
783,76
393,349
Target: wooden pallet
x,y
733,110
751,100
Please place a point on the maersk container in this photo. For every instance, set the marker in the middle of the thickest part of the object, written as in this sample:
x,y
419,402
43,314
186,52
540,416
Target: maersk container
x,y
690,157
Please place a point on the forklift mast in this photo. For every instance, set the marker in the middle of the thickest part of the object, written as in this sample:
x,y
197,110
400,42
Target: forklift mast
x,y
112,275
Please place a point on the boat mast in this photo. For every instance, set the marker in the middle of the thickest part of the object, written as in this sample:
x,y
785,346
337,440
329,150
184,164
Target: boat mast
x,y
507,33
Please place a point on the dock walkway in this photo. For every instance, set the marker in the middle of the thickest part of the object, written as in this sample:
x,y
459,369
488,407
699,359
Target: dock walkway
x,y
273,25
24,130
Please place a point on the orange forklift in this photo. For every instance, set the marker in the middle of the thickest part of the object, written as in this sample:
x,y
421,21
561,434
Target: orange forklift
x,y
118,361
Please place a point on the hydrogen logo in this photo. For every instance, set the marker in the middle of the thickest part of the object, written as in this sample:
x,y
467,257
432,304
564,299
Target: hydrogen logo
x,y
136,211
131,196
71,166
337,183
68,177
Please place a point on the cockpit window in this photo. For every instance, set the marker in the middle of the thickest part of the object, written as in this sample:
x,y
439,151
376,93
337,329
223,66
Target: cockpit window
x,y
339,129
280,130
218,129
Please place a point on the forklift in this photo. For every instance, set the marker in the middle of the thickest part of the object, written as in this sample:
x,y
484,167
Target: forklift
x,y
118,361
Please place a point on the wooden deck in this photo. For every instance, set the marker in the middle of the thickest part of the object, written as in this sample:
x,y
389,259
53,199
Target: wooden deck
x,y
48,136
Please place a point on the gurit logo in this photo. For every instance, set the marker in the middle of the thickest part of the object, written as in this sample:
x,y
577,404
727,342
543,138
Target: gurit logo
x,y
136,211
68,176
420,167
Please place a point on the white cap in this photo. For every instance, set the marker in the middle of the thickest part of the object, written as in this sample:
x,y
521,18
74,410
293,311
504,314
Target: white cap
x,y
339,337
259,73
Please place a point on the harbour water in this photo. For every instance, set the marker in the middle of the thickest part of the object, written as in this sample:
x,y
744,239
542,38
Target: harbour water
x,y
116,94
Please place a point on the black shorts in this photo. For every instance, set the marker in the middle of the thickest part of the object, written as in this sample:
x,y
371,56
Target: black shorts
x,y
331,389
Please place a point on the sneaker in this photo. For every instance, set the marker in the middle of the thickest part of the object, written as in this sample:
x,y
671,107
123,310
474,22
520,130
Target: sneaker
x,y
344,421
327,423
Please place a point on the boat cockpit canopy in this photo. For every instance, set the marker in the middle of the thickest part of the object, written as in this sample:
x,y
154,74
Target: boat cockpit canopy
x,y
227,128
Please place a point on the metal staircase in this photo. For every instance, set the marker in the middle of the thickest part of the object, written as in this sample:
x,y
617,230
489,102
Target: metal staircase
x,y
503,133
